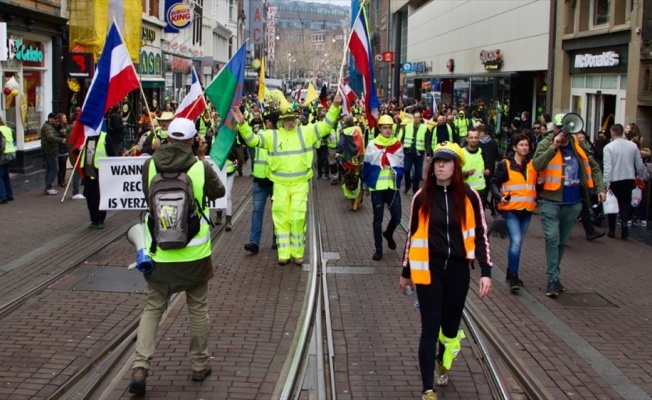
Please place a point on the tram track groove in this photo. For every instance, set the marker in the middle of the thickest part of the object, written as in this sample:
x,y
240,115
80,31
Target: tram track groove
x,y
84,384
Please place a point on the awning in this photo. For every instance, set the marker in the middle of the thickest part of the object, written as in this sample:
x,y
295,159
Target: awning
x,y
150,82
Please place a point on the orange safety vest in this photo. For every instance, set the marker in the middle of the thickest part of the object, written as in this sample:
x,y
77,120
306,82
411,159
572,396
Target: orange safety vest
x,y
418,252
522,189
554,171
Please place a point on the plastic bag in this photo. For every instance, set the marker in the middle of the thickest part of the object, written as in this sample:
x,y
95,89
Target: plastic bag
x,y
610,205
637,195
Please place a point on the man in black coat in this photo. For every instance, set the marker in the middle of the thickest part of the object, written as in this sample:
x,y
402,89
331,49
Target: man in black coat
x,y
490,156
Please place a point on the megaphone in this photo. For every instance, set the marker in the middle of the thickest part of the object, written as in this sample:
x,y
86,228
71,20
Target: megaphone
x,y
136,236
572,123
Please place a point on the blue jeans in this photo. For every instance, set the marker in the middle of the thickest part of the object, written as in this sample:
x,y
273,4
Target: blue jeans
x,y
557,221
378,200
260,195
416,160
6,192
51,169
517,228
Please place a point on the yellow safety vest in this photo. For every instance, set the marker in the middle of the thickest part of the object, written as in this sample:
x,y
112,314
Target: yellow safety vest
x,y
474,161
9,139
522,189
292,163
202,127
408,137
554,171
199,247
418,252
462,125
100,152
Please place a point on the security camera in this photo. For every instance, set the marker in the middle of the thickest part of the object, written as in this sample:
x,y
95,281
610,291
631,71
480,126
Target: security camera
x,y
638,30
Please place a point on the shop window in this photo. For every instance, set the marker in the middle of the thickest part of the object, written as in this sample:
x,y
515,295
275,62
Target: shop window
x,y
577,82
623,82
609,82
600,13
593,81
31,109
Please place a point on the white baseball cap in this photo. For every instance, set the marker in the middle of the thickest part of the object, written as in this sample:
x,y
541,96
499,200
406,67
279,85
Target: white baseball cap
x,y
182,129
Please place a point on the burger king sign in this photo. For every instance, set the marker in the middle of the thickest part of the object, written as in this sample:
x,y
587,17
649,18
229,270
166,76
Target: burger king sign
x,y
177,16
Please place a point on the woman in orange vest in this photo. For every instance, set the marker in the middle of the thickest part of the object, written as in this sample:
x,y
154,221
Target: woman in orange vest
x,y
447,232
514,183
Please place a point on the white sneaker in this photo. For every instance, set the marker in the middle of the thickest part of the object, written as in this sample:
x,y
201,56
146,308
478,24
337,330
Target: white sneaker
x,y
78,196
51,191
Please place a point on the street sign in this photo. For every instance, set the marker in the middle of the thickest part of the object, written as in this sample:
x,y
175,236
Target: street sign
x,y
388,56
406,67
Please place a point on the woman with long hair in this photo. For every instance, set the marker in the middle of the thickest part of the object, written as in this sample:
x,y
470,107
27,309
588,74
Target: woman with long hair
x,y
447,232
514,183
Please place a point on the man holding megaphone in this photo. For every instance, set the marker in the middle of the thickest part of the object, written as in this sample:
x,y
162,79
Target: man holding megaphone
x,y
569,172
177,267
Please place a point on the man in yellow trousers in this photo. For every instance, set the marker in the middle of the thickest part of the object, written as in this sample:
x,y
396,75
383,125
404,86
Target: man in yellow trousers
x,y
290,159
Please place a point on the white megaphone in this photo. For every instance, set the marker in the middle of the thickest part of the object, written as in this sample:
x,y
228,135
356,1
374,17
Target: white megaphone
x,y
136,236
572,123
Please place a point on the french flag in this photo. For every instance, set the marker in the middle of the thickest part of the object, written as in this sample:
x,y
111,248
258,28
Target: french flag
x,y
348,97
194,103
361,51
114,78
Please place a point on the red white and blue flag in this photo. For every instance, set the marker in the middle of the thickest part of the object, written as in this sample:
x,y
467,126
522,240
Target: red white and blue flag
x,y
193,104
348,97
361,51
378,157
114,78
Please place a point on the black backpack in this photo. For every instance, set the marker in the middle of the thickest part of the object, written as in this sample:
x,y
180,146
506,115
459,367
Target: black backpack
x,y
174,213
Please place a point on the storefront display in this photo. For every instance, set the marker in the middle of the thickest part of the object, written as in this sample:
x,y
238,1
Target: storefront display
x,y
26,71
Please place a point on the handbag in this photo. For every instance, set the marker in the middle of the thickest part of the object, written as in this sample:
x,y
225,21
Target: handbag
x,y
610,205
637,195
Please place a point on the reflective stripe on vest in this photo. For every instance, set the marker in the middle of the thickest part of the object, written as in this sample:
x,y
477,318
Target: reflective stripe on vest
x,y
522,189
474,161
260,163
418,252
420,143
293,165
199,247
554,171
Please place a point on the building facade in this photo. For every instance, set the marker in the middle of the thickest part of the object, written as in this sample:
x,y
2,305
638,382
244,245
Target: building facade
x,y
310,39
465,52
603,63
32,68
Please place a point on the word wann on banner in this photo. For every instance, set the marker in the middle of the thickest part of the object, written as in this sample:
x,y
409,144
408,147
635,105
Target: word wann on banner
x,y
121,184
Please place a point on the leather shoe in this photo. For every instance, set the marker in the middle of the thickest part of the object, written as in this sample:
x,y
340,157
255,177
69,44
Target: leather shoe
x,y
138,378
390,241
378,255
199,376
283,261
251,247
298,261
624,233
594,235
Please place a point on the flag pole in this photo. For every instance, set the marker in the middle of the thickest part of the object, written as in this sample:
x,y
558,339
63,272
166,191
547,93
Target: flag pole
x,y
348,41
140,85
74,168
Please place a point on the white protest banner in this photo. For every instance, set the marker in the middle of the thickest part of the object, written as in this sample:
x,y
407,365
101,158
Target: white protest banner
x,y
219,204
121,188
